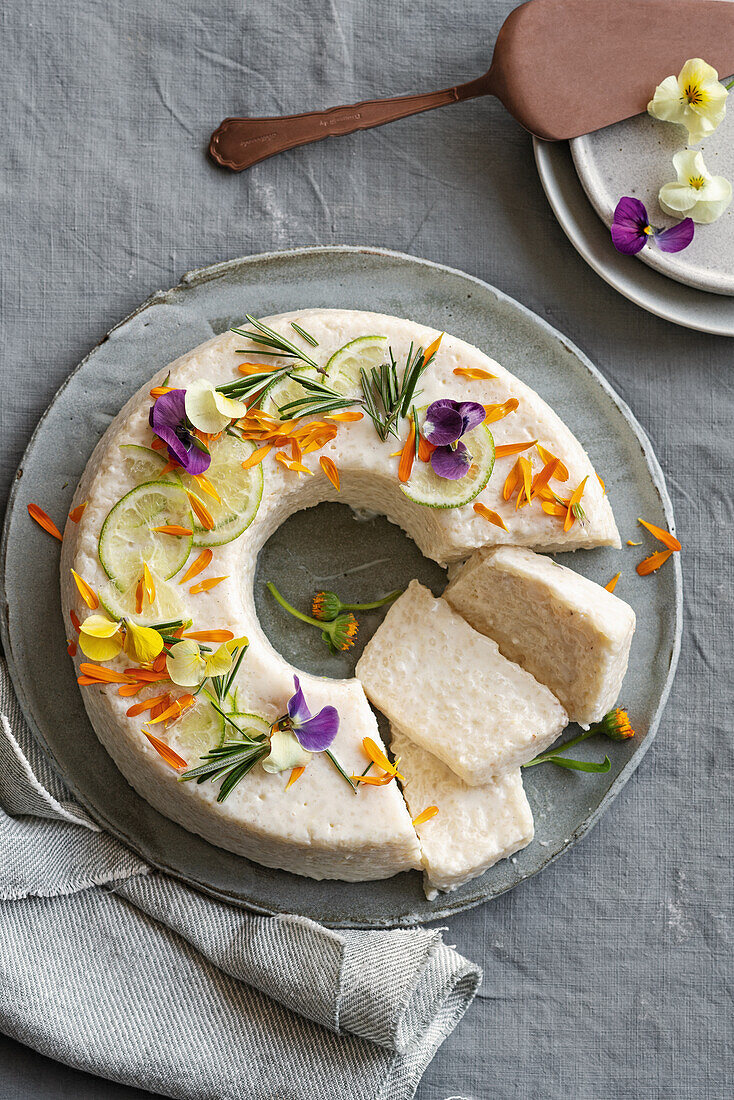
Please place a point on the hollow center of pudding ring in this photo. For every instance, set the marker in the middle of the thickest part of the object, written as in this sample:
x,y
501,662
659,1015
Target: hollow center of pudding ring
x,y
329,547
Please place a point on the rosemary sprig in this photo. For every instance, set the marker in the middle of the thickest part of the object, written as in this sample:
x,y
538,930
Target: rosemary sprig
x,y
233,760
306,335
266,337
319,399
251,384
386,398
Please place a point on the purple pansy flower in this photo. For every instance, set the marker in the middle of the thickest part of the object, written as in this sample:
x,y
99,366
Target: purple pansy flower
x,y
312,733
446,421
168,420
631,230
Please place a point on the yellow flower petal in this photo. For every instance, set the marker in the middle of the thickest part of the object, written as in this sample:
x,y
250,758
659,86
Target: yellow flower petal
x,y
219,662
100,638
142,643
185,664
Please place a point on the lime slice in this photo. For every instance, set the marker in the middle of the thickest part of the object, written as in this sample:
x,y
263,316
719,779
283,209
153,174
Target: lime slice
x,y
199,729
166,607
287,389
128,536
252,723
145,464
240,492
426,487
343,369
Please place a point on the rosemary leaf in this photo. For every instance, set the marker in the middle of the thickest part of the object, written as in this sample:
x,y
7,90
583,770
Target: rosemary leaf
x,y
306,335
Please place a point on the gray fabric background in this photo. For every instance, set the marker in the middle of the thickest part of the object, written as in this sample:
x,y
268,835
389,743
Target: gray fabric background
x,y
609,975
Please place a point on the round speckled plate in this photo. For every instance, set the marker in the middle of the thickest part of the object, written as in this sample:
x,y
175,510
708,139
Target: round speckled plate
x,y
329,545
658,294
635,157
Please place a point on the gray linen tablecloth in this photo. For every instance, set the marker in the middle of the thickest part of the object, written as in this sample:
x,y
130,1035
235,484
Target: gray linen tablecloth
x,y
608,976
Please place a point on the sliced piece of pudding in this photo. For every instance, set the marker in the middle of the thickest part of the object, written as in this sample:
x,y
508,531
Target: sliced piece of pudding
x,y
452,692
568,631
474,828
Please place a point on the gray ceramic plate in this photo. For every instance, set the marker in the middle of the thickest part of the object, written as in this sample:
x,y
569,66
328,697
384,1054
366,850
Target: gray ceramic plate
x,y
673,301
635,157
329,545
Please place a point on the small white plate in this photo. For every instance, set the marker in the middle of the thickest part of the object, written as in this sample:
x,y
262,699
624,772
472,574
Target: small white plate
x,y
658,294
635,157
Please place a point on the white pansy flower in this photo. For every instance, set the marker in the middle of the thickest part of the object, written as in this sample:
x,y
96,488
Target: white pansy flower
x,y
187,666
694,99
696,194
285,752
208,410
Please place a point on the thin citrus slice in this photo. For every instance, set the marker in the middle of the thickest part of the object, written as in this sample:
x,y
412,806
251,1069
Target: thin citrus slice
x,y
239,491
129,538
426,487
343,371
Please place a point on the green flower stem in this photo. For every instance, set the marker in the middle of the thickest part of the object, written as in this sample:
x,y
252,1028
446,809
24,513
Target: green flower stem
x,y
546,756
290,609
340,769
375,603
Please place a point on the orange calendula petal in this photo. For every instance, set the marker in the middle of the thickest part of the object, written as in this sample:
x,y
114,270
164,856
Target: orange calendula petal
x,y
104,675
169,467
76,513
130,689
166,752
176,709
425,449
661,535
473,373
487,513
612,584
139,597
504,450
348,417
511,481
331,471
295,775
173,529
44,521
140,708
373,780
158,444
407,456
631,543
163,704
257,456
499,412
541,479
432,348
425,815
206,486
299,468
653,563
377,756
561,473
201,512
87,594
159,391
210,635
552,509
148,583
197,566
257,368
71,648
146,675
526,492
75,620
603,486
575,499
204,586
